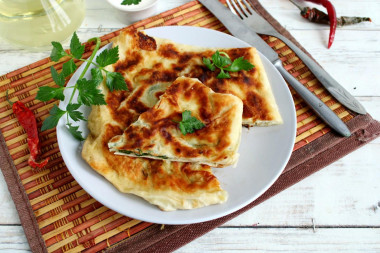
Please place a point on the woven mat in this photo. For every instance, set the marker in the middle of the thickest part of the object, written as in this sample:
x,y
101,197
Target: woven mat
x,y
59,216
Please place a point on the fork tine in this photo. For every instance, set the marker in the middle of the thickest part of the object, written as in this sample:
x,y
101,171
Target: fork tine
x,y
249,7
243,8
231,8
235,7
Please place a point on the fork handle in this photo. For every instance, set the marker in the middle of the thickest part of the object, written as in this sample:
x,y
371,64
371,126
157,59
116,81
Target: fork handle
x,y
320,108
341,94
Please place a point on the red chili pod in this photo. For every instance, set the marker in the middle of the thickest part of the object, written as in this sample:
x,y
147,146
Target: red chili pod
x,y
332,17
28,121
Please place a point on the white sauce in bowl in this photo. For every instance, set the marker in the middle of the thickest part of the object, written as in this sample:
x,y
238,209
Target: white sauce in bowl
x,y
144,4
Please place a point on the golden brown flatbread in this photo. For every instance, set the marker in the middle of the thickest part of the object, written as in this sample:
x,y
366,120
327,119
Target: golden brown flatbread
x,y
151,64
156,134
169,185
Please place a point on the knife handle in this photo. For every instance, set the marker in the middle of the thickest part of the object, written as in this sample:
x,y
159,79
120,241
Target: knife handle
x,y
320,108
341,94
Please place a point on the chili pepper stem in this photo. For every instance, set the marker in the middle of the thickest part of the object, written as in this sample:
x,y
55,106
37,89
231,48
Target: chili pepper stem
x,y
7,98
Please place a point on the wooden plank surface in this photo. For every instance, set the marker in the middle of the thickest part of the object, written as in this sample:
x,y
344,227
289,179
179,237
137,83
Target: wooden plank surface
x,y
341,201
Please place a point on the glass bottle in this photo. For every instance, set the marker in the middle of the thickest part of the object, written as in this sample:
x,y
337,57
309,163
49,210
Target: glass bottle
x,y
35,23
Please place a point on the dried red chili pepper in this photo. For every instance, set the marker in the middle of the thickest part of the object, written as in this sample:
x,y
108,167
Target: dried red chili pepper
x,y
28,122
332,17
317,16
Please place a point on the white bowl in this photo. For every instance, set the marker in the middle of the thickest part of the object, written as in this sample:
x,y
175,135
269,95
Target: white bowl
x,y
132,13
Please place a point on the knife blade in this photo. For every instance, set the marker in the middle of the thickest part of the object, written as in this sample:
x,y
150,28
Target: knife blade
x,y
262,26
242,31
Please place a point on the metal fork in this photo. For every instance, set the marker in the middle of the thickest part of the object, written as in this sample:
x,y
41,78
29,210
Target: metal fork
x,y
245,11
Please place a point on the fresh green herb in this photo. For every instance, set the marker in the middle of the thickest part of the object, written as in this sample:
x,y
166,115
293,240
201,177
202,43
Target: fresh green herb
x,y
59,79
45,93
189,123
57,53
115,81
76,48
209,64
68,68
75,132
140,153
108,57
86,90
222,61
52,120
164,157
96,75
125,151
89,94
130,2
72,110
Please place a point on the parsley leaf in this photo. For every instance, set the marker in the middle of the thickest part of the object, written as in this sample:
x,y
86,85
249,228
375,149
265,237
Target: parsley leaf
x,y
208,64
73,113
219,60
97,75
239,64
130,2
57,53
115,81
72,107
59,79
76,48
45,93
223,74
52,121
108,56
68,68
86,90
88,93
222,61
189,123
75,132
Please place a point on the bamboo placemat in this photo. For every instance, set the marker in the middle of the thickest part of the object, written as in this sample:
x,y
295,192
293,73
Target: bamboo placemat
x,y
59,216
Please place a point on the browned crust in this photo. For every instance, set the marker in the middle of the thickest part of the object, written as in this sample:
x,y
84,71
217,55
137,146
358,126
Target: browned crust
x,y
163,61
156,132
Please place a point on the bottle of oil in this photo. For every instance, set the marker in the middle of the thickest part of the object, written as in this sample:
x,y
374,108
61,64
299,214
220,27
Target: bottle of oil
x,y
35,23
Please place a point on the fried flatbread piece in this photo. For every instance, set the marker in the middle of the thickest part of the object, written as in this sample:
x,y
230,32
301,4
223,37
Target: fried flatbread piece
x,y
169,185
156,134
151,64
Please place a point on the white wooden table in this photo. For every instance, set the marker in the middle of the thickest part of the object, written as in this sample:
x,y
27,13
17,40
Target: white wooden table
x,y
334,210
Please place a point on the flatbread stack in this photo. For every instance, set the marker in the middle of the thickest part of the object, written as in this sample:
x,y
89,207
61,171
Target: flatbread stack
x,y
156,133
135,141
169,185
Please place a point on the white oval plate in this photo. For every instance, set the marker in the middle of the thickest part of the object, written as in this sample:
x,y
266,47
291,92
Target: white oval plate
x,y
264,151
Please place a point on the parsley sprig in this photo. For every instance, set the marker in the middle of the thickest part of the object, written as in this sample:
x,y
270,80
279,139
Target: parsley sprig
x,y
87,90
189,123
222,61
130,2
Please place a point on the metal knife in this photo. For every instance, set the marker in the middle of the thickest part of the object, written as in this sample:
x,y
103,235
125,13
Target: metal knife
x,y
242,31
262,26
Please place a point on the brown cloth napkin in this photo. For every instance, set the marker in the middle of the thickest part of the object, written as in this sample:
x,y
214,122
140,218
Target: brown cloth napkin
x,y
303,162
